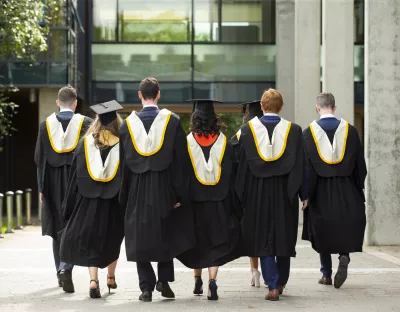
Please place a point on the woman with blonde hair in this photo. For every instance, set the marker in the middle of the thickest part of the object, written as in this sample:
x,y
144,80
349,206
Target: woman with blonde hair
x,y
95,227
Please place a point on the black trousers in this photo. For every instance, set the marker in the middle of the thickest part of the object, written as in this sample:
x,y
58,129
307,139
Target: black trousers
x,y
56,253
147,277
326,263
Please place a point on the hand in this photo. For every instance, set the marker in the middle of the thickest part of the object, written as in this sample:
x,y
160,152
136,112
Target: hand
x,y
305,204
177,205
41,197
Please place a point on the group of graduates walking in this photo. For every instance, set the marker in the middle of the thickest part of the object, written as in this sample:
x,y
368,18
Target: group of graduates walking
x,y
202,198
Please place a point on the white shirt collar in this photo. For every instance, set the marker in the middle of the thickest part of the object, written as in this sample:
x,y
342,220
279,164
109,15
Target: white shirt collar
x,y
271,114
66,110
150,105
327,116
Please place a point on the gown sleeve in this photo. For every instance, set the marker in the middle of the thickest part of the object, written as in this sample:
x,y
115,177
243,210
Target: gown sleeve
x,y
72,192
304,189
180,167
125,172
297,174
360,171
236,207
241,174
39,160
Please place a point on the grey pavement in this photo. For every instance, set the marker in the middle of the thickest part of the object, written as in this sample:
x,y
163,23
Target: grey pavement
x,y
28,283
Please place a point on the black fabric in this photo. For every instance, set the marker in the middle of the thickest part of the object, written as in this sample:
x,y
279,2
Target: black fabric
x,y
105,151
95,228
216,212
268,192
107,118
335,219
154,229
87,186
147,277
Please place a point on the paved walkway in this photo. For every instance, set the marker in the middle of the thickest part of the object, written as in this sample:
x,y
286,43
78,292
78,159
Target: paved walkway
x,y
28,283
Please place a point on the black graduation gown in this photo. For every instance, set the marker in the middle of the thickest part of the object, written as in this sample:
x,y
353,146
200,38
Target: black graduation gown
x,y
95,228
53,170
216,213
268,192
335,219
155,231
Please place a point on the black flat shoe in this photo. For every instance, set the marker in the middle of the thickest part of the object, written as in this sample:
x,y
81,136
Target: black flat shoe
x,y
66,278
111,286
212,290
341,274
94,293
165,290
198,286
146,296
60,283
325,281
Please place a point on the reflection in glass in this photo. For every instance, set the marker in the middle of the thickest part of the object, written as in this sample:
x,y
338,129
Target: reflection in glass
x,y
359,21
206,14
148,21
59,46
104,20
234,63
126,62
358,63
231,92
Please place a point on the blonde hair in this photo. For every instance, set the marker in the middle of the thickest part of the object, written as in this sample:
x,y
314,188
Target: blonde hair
x,y
271,101
96,128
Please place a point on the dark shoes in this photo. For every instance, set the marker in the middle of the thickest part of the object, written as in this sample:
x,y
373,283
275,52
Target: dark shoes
x,y
325,281
94,293
165,290
341,274
212,290
273,295
146,296
198,286
65,276
60,283
280,289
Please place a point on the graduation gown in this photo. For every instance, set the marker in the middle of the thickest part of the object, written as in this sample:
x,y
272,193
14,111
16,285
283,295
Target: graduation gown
x,y
214,204
335,219
53,158
95,228
154,164
268,180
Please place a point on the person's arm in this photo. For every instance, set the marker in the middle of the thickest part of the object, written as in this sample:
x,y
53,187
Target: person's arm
x,y
72,192
360,171
39,158
304,189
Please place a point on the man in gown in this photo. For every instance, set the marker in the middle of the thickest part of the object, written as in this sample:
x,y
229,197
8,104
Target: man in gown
x,y
335,219
57,139
270,174
154,163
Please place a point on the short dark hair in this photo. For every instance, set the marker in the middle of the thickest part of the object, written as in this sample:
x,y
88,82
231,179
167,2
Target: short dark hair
x,y
67,96
149,87
326,100
205,125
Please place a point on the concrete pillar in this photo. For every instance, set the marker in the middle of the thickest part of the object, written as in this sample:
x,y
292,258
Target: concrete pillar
x,y
337,54
47,103
307,60
382,126
285,52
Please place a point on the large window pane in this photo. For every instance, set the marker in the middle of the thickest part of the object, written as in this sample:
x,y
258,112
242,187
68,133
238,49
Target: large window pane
x,y
59,45
234,62
149,21
231,92
104,20
123,92
206,14
358,63
122,62
359,21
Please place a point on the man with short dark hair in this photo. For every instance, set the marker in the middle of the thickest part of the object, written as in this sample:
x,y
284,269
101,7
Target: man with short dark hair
x,y
58,136
334,220
154,165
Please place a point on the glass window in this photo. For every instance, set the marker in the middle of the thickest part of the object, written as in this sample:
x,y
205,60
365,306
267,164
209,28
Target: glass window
x,y
124,62
247,21
206,14
104,20
124,92
149,21
231,92
234,62
359,21
59,45
358,63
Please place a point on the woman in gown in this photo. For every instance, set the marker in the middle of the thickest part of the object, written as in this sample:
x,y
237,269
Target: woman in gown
x,y
95,227
253,111
213,198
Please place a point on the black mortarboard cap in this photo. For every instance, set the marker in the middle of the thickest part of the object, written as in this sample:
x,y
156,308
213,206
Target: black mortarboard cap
x,y
254,108
107,111
205,106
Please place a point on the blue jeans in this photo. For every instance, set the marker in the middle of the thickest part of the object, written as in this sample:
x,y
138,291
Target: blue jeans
x,y
326,263
59,264
275,271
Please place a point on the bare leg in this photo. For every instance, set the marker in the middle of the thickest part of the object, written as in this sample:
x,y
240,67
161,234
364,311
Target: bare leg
x,y
111,273
212,273
254,263
93,272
